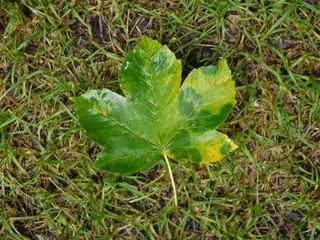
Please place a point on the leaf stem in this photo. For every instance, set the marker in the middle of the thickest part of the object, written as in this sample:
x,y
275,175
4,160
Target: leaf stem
x,y
172,180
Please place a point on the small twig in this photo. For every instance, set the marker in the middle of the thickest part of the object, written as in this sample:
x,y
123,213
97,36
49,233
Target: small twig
x,y
172,180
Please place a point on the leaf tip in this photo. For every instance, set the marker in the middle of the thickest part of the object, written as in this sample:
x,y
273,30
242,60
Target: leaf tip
x,y
148,40
228,146
223,62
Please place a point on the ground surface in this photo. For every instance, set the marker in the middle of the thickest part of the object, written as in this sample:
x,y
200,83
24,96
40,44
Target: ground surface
x,y
266,189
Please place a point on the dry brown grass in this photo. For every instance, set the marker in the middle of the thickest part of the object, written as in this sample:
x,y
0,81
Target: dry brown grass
x,y
267,189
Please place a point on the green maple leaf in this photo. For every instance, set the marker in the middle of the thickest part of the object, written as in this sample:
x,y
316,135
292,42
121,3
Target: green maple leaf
x,y
159,117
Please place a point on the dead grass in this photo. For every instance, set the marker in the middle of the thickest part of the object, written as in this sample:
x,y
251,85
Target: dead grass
x,y
267,189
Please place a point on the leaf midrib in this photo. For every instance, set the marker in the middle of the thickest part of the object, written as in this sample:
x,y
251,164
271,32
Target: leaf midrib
x,y
136,155
128,129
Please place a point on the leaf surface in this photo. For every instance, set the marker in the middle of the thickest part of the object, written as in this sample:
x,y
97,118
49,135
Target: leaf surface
x,y
158,115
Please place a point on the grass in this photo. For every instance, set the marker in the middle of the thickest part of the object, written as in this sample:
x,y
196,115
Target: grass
x,y
267,189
